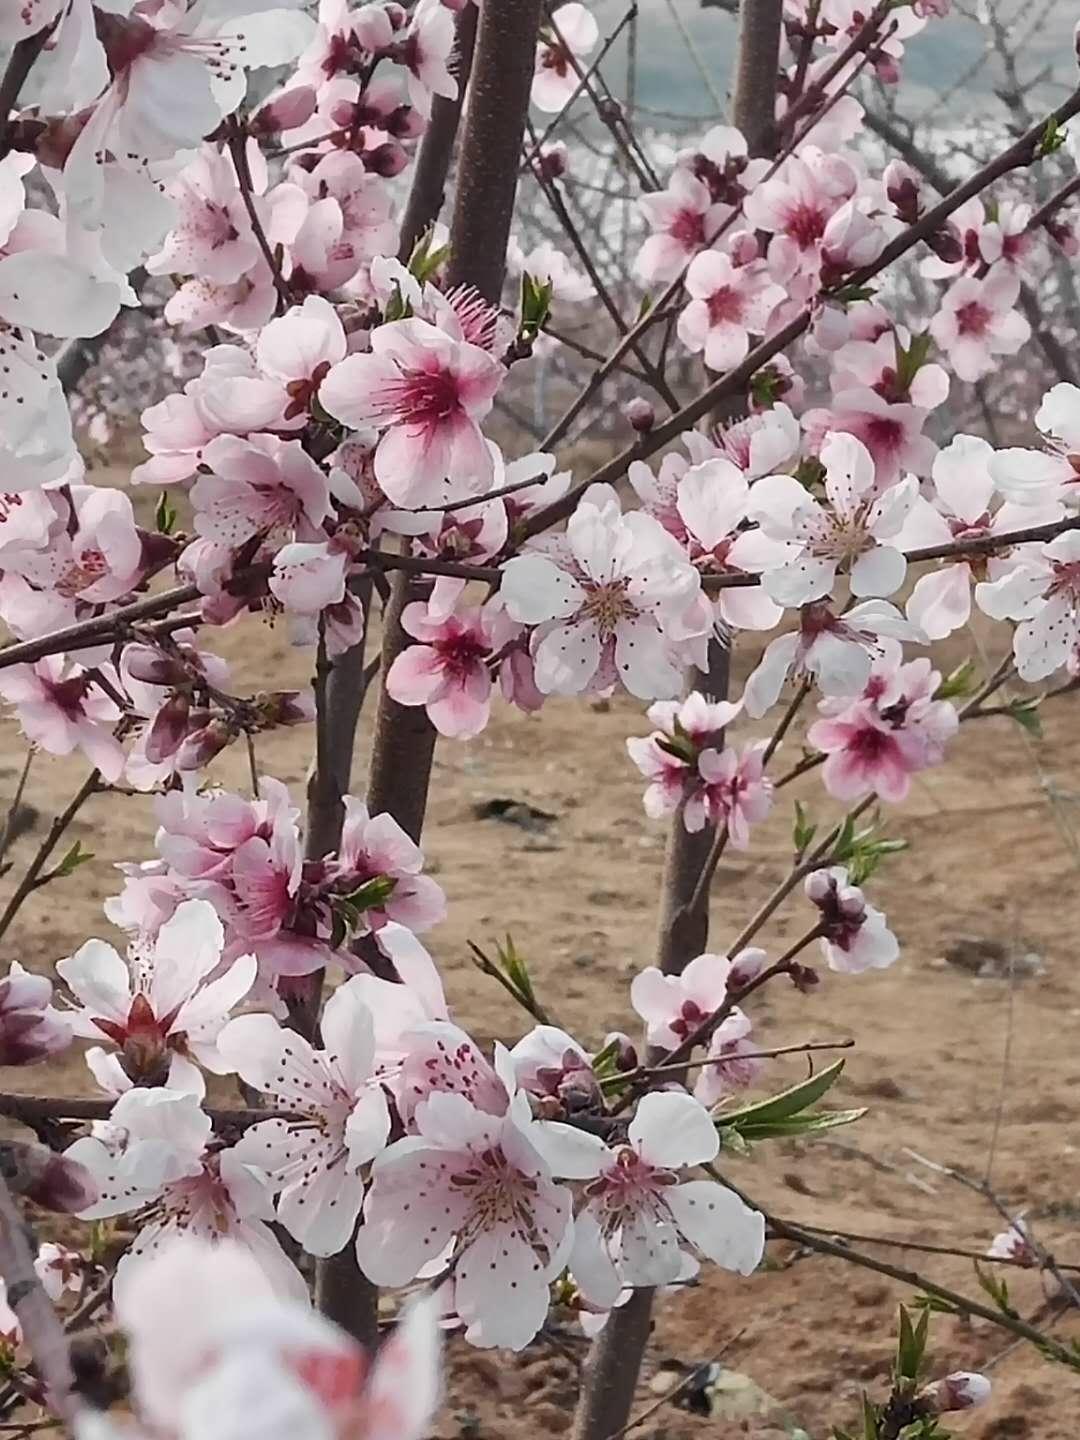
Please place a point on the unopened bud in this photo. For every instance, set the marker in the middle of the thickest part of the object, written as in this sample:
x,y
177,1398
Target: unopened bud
x,y
743,247
819,886
745,967
168,728
387,160
626,1056
287,111
640,414
154,667
902,188
397,16
551,162
48,1180
29,1030
962,1390
946,245
201,747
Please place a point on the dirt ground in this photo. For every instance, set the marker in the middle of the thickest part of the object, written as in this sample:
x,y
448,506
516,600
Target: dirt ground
x,y
993,855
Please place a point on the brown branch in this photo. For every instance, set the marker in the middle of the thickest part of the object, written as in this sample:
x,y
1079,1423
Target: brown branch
x,y
21,62
237,142
35,1111
31,878
756,73
41,1326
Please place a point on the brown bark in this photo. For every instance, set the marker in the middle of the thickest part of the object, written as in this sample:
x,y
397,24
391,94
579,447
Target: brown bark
x,y
428,190
491,148
754,107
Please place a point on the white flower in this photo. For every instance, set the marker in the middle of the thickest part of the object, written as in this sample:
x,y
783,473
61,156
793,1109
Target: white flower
x,y
341,1116
158,1006
1038,477
638,1217
613,596
850,531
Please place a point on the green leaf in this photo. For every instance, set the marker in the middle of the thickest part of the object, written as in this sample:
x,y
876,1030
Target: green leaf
x,y
1025,712
164,515
603,1062
425,260
788,1102
851,294
1053,138
996,1288
535,305
910,361
871,1417
911,1346
369,896
678,746
804,832
957,683
798,1126
515,970
75,857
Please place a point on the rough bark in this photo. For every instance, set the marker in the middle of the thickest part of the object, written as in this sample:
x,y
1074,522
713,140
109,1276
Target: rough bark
x,y
757,66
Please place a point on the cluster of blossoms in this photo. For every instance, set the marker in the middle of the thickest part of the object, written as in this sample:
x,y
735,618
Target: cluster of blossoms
x,y
336,432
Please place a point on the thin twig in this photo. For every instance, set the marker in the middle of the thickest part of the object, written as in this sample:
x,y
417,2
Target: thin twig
x,y
33,871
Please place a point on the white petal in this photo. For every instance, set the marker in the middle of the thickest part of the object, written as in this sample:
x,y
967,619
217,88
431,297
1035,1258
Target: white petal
x,y
53,296
672,1129
718,1224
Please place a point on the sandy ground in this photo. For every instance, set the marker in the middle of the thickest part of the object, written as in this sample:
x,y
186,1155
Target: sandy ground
x,y
994,855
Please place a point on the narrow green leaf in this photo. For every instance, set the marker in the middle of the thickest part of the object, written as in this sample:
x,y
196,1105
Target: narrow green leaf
x,y
797,1126
788,1102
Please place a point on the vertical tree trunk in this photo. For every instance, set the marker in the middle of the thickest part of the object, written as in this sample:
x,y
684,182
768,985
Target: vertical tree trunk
x,y
683,930
404,741
491,148
428,189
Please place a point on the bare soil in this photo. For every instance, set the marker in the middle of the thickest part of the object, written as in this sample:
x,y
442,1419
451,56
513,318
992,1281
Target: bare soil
x,y
963,1069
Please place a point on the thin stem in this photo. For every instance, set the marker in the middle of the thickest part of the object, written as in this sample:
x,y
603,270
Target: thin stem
x,y
11,823
20,63
33,871
926,1247
237,143
650,1072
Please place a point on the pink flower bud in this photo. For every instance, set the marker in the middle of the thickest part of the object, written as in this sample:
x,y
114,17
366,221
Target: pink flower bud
x,y
626,1056
902,186
397,16
48,1180
29,1030
387,160
743,247
154,667
946,245
287,111
962,1390
819,886
550,164
168,728
746,966
640,414
200,747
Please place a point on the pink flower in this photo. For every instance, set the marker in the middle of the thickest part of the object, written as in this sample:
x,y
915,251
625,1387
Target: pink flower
x,y
855,936
159,1006
734,791
298,350
639,1216
448,672
93,551
728,304
313,1163
425,52
476,1187
307,577
674,1006
1039,477
154,1150
838,651
427,393
30,1030
684,219
59,707
258,484
574,33
1014,1244
215,1350
796,205
853,530
375,847
866,754
60,1270
1041,589
611,596
731,1061
890,430
960,508
977,321
212,237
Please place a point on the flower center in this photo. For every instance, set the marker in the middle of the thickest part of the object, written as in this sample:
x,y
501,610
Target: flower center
x,y
688,228
725,304
972,319
607,605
